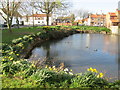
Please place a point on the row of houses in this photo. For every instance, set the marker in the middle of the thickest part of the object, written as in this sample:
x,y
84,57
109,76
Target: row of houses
x,y
36,19
106,20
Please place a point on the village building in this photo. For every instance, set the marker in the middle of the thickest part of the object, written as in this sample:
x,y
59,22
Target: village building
x,y
96,20
113,18
66,21
37,19
85,21
113,21
80,22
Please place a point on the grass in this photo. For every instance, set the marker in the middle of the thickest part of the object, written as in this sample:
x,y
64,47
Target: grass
x,y
7,37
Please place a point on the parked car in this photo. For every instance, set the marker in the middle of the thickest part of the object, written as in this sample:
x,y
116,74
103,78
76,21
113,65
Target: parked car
x,y
3,25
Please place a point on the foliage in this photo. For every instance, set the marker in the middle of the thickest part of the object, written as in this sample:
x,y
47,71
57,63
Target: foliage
x,y
18,83
88,79
22,73
96,29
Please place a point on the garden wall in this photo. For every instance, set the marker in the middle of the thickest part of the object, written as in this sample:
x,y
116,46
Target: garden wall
x,y
115,30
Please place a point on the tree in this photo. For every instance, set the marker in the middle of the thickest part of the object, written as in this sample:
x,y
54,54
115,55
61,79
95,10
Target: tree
x,y
82,13
48,7
72,18
9,7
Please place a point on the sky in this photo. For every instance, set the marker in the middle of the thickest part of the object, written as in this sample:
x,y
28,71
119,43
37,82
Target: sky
x,y
95,6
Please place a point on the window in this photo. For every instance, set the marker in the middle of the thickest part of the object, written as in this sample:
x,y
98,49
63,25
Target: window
x,y
38,21
40,18
92,18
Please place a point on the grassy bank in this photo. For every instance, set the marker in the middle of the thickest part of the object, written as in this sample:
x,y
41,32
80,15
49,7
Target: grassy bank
x,y
21,73
8,37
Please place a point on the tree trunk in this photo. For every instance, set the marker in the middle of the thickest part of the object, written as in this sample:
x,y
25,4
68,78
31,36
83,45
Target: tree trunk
x,y
17,21
9,28
47,19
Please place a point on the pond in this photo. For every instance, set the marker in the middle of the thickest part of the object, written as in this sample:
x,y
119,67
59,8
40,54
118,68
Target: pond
x,y
81,51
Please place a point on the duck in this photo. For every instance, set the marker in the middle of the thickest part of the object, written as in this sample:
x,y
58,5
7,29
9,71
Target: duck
x,y
86,46
95,50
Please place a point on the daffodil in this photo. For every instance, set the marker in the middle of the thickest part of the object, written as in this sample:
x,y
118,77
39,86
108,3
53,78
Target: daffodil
x,y
92,70
3,59
46,66
66,69
33,65
11,58
70,73
100,75
95,70
71,70
11,53
50,68
17,54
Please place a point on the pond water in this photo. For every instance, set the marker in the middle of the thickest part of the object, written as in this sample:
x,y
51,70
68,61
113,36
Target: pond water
x,y
81,51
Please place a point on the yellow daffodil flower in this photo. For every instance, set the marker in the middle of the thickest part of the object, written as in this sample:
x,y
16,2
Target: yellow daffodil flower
x,y
33,65
95,70
11,58
50,68
46,66
100,75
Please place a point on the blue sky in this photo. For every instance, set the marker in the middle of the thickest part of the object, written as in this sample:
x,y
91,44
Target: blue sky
x,y
95,6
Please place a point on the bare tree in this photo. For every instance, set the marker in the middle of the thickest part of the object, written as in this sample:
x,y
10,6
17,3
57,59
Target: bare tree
x,y
48,6
72,18
9,7
82,13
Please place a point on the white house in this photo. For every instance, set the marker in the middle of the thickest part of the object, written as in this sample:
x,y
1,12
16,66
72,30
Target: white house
x,y
37,19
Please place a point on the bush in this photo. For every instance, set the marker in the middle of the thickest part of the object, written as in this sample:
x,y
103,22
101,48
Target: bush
x,y
88,79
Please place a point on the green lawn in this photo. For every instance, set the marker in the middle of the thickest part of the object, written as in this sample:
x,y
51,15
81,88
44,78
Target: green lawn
x,y
7,37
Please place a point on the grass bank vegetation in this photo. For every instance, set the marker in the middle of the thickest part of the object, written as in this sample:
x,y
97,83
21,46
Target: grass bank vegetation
x,y
20,73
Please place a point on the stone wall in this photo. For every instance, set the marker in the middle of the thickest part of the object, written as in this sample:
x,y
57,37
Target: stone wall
x,y
115,30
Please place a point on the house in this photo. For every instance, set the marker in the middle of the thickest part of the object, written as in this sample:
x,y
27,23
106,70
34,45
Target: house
x,y
113,21
66,21
85,21
80,22
96,20
37,19
15,17
113,18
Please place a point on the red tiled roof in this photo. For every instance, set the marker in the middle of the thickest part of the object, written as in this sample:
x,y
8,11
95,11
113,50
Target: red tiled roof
x,y
115,20
112,14
118,10
78,21
97,16
39,15
86,19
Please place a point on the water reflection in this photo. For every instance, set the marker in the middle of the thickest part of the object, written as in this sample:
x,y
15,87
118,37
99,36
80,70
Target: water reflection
x,y
80,51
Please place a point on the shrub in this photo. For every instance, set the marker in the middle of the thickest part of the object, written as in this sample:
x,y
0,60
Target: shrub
x,y
44,75
88,79
16,41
